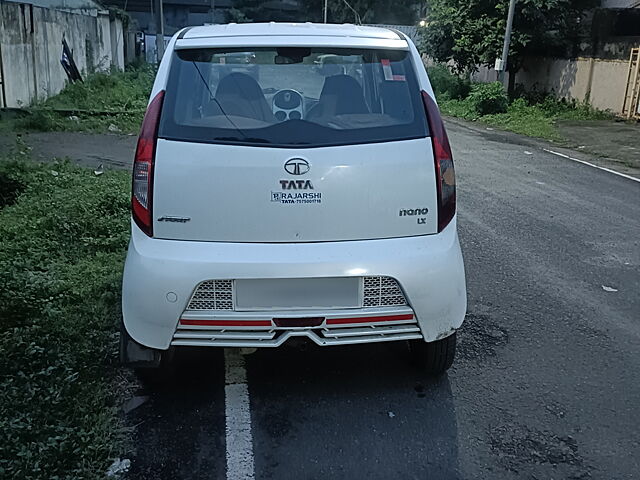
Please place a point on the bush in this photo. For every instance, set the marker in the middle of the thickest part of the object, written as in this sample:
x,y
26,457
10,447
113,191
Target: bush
x,y
531,113
36,120
458,108
11,185
64,234
119,91
102,100
488,98
533,96
446,85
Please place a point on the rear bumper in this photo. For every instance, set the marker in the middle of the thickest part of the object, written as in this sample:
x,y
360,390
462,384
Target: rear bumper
x,y
258,329
160,276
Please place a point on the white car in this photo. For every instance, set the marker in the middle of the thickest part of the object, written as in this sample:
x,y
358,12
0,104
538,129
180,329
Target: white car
x,y
291,203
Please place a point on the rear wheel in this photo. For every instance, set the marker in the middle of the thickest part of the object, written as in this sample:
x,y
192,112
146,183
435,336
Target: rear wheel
x,y
434,358
151,365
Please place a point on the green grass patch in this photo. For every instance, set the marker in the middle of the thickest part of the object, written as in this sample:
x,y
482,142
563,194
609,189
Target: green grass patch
x,y
64,235
533,113
86,106
537,120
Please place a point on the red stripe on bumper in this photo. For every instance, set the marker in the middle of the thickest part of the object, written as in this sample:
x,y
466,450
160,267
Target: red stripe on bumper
x,y
227,323
384,318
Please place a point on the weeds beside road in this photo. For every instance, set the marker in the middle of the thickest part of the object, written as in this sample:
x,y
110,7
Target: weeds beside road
x,y
103,102
537,120
534,114
64,234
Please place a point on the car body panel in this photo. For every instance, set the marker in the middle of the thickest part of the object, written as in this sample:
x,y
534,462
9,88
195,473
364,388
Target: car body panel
x,y
300,30
244,194
290,40
429,269
160,275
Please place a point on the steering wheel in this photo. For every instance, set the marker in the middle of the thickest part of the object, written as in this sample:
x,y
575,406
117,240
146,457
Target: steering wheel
x,y
287,105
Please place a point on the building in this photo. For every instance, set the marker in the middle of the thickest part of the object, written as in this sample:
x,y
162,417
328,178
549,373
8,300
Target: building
x,y
31,36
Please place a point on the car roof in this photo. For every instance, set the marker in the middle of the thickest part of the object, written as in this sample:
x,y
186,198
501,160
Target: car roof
x,y
290,29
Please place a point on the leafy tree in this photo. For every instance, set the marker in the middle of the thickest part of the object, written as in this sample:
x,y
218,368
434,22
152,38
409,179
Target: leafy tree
x,y
398,12
369,11
261,11
471,32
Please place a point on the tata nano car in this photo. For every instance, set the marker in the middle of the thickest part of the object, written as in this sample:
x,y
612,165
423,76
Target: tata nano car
x,y
286,200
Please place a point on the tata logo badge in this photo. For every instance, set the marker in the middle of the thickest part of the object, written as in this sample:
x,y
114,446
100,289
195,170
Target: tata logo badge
x,y
296,166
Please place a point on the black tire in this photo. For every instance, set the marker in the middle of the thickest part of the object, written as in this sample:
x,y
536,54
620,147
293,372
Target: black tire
x,y
433,358
154,374
142,358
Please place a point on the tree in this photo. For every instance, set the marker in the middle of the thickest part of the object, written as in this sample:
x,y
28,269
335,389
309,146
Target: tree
x,y
261,11
400,12
471,32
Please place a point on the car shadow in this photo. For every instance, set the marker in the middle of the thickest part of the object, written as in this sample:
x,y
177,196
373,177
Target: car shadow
x,y
180,430
352,411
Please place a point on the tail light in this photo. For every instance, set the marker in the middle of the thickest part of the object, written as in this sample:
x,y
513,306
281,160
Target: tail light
x,y
142,188
445,174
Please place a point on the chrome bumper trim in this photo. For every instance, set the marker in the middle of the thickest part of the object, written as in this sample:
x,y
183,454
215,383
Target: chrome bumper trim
x,y
256,329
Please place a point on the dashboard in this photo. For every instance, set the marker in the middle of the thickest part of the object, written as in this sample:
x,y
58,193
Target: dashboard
x,y
288,105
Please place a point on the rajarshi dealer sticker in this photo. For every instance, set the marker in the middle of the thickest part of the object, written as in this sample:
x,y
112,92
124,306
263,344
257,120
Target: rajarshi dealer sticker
x,y
296,197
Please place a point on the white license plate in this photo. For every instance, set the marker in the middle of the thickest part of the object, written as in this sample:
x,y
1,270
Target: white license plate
x,y
298,293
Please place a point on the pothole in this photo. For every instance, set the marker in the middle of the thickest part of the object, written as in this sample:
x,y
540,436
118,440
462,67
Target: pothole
x,y
518,444
480,337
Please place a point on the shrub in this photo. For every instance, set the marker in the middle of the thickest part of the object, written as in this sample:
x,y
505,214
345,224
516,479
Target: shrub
x,y
63,245
37,120
446,85
11,184
458,108
128,90
532,95
488,98
102,100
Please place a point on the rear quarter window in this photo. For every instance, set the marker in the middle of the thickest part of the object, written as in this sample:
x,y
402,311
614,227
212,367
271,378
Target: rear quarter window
x,y
292,97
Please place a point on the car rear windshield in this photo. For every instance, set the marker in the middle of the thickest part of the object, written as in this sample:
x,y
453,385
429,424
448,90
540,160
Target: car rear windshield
x,y
292,96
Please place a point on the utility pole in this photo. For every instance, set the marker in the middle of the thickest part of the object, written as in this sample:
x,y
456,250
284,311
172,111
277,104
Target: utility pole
x,y
501,63
159,30
213,11
325,11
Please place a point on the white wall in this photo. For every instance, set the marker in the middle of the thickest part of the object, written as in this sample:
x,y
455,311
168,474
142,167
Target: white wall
x,y
31,47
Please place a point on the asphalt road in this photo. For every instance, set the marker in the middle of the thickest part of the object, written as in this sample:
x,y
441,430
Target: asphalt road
x,y
546,383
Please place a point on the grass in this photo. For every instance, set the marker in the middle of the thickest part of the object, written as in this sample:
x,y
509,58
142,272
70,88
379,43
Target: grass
x,y
537,120
532,115
64,234
123,93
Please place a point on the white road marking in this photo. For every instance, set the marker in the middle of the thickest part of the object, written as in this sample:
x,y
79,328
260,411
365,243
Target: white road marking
x,y
240,464
592,165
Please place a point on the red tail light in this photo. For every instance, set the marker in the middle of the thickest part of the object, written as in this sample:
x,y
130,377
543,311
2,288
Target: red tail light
x,y
142,188
445,174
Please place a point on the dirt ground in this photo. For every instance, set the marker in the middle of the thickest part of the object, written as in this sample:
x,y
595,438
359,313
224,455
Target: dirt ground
x,y
618,141
89,149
